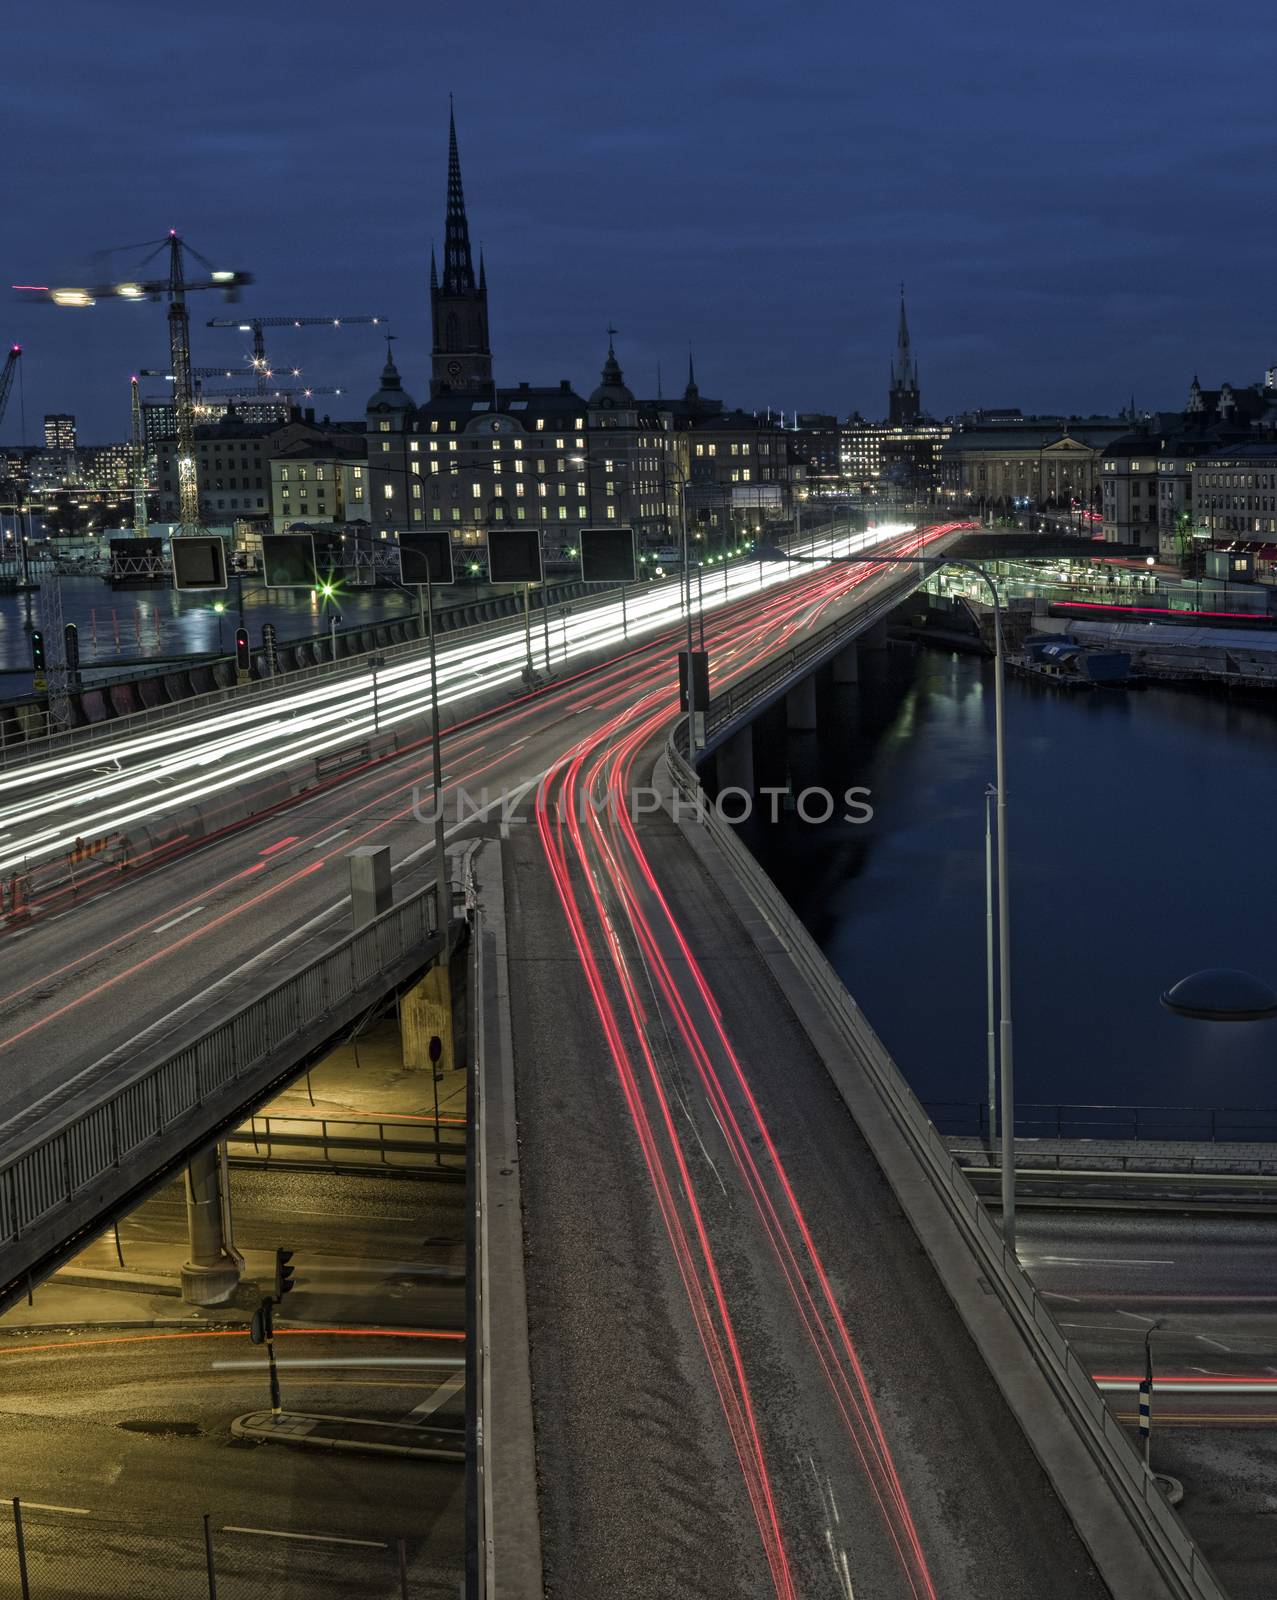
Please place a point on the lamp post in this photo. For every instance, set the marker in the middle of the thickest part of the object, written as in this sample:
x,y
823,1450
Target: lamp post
x,y
219,607
1006,1075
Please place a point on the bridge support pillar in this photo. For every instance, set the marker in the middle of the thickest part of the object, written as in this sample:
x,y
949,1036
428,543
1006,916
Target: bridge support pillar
x,y
370,888
211,1275
734,760
800,706
874,638
425,1014
847,665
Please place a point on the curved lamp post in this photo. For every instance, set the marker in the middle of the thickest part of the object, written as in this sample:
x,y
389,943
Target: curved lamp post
x,y
1006,1054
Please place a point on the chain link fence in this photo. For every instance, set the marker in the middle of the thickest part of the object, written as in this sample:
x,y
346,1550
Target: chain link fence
x,y
49,1553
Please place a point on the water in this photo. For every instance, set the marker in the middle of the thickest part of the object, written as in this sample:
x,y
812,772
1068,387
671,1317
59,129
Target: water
x,y
144,624
1139,851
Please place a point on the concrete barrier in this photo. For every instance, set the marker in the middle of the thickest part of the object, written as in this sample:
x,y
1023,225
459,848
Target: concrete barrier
x,y
94,705
177,685
150,691
124,699
202,680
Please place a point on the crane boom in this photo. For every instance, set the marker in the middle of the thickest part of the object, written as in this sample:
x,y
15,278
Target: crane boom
x,y
6,377
255,325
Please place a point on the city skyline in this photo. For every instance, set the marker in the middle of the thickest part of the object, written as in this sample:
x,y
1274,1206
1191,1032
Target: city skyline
x,y
581,226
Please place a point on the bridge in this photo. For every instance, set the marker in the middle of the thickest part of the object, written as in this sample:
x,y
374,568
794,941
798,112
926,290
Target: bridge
x,y
738,1316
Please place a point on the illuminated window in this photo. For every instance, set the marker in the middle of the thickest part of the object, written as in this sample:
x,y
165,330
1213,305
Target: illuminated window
x,y
540,427
358,473
301,474
383,427
607,467
611,512
610,486
385,444
434,466
735,449
744,449
434,427
580,511
283,474
518,466
496,447
541,490
563,489
712,450
388,491
518,489
744,474
452,444
416,466
436,514
558,444
456,513
416,491
518,444
579,423
476,490
580,443
434,444
580,489
414,444
563,513
700,449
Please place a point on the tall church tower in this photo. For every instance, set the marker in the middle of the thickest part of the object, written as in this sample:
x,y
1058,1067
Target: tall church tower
x,y
905,399
460,360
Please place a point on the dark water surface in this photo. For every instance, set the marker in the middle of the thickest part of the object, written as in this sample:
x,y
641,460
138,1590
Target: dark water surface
x,y
1141,835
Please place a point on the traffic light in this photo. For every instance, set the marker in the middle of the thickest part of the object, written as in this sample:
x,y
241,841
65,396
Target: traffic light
x,y
72,636
37,650
242,658
260,1329
283,1274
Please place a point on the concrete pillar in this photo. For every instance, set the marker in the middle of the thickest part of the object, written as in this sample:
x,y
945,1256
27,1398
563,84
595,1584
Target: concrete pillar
x,y
874,638
800,706
425,1013
370,888
847,665
735,761
211,1275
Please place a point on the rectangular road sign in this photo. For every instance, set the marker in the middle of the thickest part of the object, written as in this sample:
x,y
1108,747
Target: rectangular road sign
x,y
429,551
288,561
199,562
608,555
514,555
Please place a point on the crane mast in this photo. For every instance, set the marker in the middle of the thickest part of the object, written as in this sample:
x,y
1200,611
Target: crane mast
x,y
179,335
138,463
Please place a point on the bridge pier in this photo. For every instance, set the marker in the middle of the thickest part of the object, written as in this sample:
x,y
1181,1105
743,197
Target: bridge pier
x,y
425,1013
734,761
846,665
800,706
211,1276
874,638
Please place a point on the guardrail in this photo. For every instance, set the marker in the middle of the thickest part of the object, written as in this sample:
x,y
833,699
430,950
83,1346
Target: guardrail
x,y
341,1142
1213,1124
1161,1530
60,1182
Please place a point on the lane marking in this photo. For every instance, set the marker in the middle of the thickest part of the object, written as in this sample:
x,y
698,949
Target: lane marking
x,y
307,1538
280,844
173,921
340,1361
1206,1339
1102,1261
330,838
441,1396
63,1511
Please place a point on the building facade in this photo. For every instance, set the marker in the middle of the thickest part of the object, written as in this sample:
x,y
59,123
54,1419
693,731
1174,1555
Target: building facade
x,y
59,431
233,465
1038,463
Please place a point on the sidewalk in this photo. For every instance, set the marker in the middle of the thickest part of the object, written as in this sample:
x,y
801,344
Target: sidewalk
x,y
368,1079
352,1434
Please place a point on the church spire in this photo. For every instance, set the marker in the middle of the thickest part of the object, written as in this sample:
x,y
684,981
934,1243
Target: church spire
x,y
691,392
905,400
458,266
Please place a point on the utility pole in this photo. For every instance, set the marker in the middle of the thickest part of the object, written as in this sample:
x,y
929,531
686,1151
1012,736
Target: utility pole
x,y
138,463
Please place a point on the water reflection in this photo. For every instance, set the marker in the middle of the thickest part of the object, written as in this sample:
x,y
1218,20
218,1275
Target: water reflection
x,y
1139,852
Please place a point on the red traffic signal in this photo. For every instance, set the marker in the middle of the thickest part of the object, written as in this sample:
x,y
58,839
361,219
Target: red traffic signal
x,y
242,658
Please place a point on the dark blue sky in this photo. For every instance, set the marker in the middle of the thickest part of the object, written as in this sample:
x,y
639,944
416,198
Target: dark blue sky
x,y
1080,198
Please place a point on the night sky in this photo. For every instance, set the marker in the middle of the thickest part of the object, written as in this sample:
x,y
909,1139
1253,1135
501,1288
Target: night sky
x,y
1079,198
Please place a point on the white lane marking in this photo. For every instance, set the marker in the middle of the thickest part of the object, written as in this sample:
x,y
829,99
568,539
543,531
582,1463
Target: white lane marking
x,y
441,1396
173,921
1134,1316
1206,1339
330,838
1103,1261
63,1511
1190,1385
1102,1327
1054,1294
343,1361
308,1538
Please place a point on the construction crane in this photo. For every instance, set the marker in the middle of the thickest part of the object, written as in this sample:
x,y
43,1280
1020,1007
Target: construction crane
x,y
138,463
255,325
175,287
7,377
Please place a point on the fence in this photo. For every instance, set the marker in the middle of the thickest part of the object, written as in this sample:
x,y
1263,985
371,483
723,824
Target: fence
x,y
346,1143
59,1182
1213,1124
56,1553
1155,1523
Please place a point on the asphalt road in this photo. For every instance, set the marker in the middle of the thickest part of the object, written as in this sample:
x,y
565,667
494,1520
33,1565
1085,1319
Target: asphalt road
x,y
690,1283
1207,1288
126,1431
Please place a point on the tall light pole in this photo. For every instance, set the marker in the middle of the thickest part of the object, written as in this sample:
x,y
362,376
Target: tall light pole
x,y
1006,1076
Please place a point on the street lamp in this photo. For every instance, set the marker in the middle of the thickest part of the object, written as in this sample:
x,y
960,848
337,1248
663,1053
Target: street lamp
x,y
219,606
1221,994
1006,1055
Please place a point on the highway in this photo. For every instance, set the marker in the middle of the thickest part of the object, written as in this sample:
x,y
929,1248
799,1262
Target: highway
x,y
746,1371
138,958
738,1344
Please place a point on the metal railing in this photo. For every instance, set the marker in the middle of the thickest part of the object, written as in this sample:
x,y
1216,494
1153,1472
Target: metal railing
x,y
1163,1534
1210,1124
366,1143
59,1181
